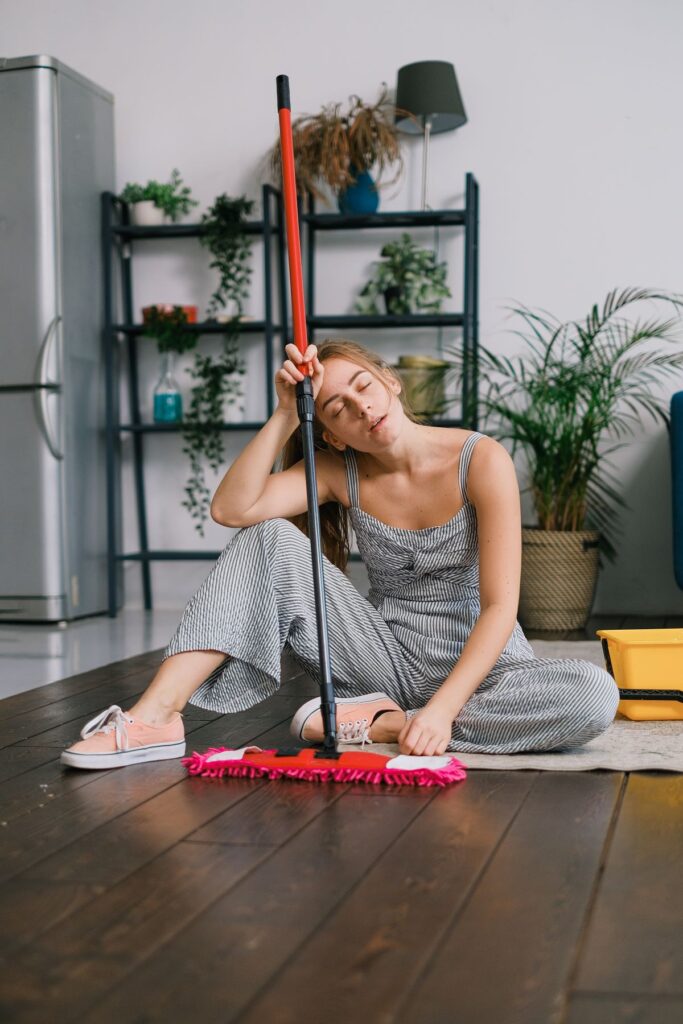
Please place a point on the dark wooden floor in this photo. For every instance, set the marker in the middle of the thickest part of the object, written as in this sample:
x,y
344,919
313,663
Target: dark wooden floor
x,y
143,895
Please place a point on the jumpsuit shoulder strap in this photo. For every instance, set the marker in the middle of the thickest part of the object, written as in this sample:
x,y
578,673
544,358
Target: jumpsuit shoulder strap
x,y
351,475
465,456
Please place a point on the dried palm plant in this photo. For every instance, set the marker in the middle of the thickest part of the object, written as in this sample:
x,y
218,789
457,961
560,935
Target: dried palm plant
x,y
334,146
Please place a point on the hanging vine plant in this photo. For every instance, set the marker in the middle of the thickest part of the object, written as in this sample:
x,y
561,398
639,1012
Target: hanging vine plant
x,y
216,377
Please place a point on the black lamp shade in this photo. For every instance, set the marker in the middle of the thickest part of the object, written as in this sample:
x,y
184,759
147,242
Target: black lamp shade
x,y
429,89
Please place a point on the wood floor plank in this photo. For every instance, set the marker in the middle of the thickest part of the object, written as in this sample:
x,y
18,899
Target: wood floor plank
x,y
635,939
508,954
600,1009
29,725
38,696
382,936
212,969
33,837
17,760
72,964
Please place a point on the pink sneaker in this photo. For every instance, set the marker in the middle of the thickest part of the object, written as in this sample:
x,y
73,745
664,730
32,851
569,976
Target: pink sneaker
x,y
355,715
113,739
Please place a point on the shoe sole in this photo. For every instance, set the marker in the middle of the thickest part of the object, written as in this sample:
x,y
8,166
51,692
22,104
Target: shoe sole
x,y
157,752
308,709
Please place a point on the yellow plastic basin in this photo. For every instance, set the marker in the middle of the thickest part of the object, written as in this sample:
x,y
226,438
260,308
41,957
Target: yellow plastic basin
x,y
645,659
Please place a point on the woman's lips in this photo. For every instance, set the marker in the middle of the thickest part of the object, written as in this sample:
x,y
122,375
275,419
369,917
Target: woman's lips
x,y
378,424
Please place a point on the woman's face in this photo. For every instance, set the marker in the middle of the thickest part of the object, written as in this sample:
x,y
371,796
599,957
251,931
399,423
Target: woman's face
x,y
351,401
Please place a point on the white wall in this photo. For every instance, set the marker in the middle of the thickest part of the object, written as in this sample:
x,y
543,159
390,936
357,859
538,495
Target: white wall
x,y
573,133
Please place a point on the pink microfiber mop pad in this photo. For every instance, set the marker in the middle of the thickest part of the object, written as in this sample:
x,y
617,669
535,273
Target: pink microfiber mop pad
x,y
350,766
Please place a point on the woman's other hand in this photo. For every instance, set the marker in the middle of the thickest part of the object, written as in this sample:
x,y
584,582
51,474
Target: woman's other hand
x,y
427,733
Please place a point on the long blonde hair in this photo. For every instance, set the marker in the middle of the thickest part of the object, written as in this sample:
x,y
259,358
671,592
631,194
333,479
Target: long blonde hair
x,y
334,517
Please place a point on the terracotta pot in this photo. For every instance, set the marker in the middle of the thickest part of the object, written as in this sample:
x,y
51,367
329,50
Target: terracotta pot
x,y
559,575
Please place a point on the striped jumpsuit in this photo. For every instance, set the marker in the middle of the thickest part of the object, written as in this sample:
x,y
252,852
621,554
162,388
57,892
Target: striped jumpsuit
x,y
403,639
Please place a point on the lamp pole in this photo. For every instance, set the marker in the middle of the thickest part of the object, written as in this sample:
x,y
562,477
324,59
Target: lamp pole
x,y
425,159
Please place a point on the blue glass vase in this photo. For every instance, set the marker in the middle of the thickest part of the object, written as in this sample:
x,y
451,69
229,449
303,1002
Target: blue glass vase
x,y
168,402
361,197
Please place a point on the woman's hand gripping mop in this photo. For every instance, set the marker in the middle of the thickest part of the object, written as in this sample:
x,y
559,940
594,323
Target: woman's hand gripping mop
x,y
311,763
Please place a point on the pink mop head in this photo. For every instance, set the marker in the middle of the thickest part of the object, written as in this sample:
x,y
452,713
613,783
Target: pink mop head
x,y
351,766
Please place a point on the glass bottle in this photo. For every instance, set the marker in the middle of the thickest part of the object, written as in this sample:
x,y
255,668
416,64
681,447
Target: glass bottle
x,y
168,402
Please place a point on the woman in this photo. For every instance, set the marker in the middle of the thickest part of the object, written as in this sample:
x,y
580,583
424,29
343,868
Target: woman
x,y
434,659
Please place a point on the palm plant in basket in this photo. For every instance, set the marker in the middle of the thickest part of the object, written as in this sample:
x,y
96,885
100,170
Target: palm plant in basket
x,y
579,385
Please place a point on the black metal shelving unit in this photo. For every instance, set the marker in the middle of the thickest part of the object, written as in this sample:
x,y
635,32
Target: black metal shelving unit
x,y
468,319
118,235
117,238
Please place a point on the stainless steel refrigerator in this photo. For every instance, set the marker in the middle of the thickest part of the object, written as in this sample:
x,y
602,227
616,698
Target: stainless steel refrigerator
x,y
56,158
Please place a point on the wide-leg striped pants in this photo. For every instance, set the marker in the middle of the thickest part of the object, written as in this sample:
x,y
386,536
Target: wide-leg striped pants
x,y
258,599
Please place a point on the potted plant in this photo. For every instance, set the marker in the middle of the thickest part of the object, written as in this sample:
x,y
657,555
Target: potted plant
x,y
340,148
156,203
216,378
408,278
578,384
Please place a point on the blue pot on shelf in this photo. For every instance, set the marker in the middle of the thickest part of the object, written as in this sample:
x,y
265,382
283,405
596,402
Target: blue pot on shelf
x,y
361,197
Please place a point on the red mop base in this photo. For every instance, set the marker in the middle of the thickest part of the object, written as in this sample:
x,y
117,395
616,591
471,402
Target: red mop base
x,y
350,766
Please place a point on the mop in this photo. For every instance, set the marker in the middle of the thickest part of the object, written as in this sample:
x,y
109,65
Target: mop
x,y
326,763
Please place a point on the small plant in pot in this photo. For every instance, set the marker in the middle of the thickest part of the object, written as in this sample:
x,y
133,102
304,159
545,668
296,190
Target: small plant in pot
x,y
339,149
156,203
578,383
408,278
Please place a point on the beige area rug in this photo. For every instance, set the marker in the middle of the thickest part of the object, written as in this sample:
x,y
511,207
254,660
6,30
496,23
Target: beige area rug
x,y
625,747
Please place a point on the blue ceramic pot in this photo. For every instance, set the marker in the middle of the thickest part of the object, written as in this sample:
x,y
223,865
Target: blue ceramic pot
x,y
362,197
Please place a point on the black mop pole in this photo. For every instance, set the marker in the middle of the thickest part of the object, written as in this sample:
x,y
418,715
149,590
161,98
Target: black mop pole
x,y
306,412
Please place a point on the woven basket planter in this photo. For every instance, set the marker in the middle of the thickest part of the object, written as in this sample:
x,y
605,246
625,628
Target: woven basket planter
x,y
559,574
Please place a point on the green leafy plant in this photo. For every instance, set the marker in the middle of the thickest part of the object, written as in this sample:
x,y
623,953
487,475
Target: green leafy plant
x,y
216,377
578,382
173,199
409,278
333,146
222,233
169,329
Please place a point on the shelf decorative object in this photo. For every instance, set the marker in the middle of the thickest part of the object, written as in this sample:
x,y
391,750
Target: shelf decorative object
x,y
167,324
156,203
339,148
409,279
578,383
424,380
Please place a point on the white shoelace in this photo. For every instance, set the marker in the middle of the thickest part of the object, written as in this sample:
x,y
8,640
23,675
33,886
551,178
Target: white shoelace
x,y
112,718
352,732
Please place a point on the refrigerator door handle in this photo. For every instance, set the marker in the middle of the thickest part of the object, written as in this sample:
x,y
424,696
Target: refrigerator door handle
x,y
44,386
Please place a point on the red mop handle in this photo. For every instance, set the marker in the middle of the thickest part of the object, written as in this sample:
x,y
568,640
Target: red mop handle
x,y
292,220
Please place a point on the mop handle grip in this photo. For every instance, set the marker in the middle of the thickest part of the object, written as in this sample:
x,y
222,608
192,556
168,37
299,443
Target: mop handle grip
x,y
292,220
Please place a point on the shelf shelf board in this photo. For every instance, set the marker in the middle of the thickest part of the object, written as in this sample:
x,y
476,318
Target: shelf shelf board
x,y
134,231
168,556
171,428
205,327
388,219
385,320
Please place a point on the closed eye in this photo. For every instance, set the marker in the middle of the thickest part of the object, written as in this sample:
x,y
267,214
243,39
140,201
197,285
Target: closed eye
x,y
334,415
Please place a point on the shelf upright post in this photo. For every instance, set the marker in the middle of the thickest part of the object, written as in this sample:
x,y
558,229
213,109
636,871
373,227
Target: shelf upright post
x,y
112,440
471,313
310,265
267,293
136,419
